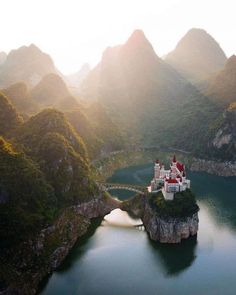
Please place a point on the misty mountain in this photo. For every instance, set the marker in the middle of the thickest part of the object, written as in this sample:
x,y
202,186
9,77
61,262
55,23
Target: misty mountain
x,y
52,91
3,57
150,101
19,95
222,87
76,79
28,64
197,56
9,118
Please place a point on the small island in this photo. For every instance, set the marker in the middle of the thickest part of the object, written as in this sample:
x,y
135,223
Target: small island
x,y
171,211
168,209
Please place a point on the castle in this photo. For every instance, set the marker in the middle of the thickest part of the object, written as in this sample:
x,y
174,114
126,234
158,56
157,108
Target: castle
x,y
169,181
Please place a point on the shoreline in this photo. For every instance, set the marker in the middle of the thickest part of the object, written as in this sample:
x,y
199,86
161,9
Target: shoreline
x,y
82,215
47,250
105,166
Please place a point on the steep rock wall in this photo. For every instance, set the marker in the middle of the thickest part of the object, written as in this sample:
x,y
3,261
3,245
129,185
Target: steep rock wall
x,y
169,230
212,167
23,269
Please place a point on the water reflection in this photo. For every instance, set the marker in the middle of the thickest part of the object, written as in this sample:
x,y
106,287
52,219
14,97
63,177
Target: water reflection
x,y
218,194
121,219
116,258
175,258
76,253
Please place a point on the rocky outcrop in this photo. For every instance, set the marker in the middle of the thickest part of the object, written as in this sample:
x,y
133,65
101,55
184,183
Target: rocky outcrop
x,y
171,229
161,229
97,207
213,167
45,252
221,139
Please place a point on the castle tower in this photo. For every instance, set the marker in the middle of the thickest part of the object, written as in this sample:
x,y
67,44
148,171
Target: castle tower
x,y
174,160
157,169
173,167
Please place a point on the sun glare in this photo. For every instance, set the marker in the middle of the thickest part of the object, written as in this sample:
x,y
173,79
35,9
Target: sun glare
x,y
74,32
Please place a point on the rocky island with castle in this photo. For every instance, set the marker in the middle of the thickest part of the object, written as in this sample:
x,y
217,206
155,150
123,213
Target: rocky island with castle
x,y
169,210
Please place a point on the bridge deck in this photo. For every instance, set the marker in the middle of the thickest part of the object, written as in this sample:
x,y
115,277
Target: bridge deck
x,y
123,186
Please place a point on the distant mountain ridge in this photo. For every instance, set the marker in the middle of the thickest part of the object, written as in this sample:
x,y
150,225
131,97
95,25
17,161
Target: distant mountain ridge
x,y
50,90
147,98
28,64
3,57
77,78
197,56
19,95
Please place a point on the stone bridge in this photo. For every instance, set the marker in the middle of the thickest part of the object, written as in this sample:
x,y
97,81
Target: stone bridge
x,y
107,186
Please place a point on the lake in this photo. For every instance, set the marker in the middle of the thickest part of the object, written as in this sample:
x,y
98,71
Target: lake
x,y
116,257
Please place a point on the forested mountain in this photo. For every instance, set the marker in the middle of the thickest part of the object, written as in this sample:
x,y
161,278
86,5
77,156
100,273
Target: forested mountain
x,y
52,91
47,170
20,97
222,87
197,56
90,120
26,199
48,121
152,103
9,118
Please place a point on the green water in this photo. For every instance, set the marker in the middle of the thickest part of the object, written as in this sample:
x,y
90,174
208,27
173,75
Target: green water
x,y
116,258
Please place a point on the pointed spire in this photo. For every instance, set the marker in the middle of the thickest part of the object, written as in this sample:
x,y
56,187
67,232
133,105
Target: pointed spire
x,y
174,159
157,161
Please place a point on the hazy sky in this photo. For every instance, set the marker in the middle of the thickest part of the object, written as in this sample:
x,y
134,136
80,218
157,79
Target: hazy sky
x,y
76,31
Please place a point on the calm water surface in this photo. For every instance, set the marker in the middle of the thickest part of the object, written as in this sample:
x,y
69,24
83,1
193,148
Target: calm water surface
x,y
117,258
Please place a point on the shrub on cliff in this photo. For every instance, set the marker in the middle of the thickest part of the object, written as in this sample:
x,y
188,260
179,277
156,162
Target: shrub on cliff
x,y
83,125
183,205
61,154
9,118
48,120
27,201
65,169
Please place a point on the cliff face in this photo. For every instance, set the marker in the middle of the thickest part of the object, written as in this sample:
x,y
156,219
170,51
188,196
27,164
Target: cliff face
x,y
212,167
45,252
163,230
169,230
97,207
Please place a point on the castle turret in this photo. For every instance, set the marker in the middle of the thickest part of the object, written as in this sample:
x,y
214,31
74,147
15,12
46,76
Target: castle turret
x,y
174,160
157,170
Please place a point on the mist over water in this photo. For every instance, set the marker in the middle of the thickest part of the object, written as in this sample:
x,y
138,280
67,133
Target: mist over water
x,y
118,258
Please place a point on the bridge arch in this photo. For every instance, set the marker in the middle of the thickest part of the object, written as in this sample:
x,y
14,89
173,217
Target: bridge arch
x,y
116,186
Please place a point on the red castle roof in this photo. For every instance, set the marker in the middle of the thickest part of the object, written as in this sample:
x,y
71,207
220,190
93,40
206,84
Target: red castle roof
x,y
180,166
172,180
174,159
